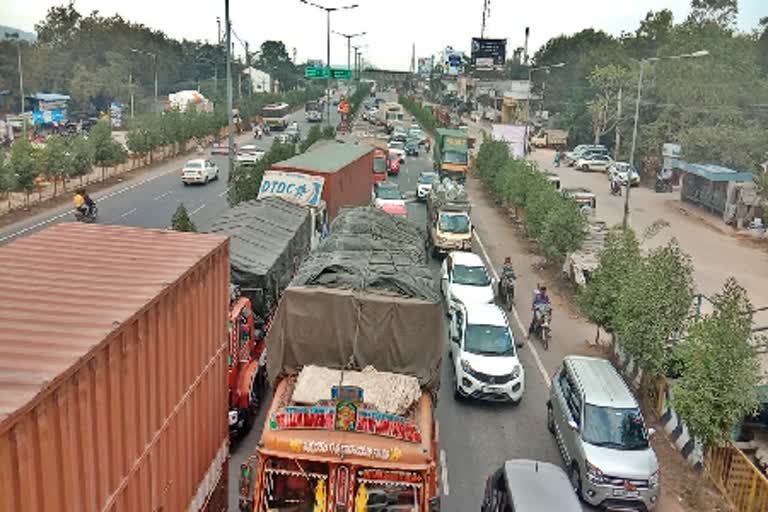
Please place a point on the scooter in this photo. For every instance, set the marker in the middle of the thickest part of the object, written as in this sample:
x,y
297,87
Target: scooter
x,y
615,188
91,216
662,185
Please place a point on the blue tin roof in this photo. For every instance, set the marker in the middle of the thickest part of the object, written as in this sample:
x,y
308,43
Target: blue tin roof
x,y
45,96
714,172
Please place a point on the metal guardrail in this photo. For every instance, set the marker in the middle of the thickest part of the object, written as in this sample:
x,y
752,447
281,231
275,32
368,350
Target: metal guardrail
x,y
737,478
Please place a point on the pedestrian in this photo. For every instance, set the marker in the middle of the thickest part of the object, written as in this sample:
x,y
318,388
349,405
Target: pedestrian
x,y
557,158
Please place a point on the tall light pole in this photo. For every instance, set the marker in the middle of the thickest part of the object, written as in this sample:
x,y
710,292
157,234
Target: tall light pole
x,y
230,121
700,53
357,61
349,40
530,87
328,11
154,61
15,35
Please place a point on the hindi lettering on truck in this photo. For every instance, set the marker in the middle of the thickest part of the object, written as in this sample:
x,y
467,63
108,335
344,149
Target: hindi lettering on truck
x,y
352,422
451,154
449,225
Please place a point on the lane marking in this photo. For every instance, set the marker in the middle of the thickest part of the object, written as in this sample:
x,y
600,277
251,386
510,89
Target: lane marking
x,y
164,194
226,190
129,212
34,226
530,344
197,209
444,474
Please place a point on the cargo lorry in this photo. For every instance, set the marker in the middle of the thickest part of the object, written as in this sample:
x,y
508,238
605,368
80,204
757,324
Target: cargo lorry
x,y
352,423
449,225
114,369
451,154
268,239
548,138
313,112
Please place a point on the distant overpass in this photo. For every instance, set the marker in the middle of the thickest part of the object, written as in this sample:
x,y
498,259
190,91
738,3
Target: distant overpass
x,y
386,77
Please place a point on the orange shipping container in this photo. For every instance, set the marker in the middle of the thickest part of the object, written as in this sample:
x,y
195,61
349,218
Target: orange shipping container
x,y
113,361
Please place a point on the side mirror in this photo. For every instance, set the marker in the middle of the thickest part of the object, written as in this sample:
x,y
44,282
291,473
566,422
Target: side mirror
x,y
573,426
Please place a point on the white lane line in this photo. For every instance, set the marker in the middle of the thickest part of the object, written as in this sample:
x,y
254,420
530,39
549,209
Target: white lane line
x,y
197,209
34,226
444,474
226,190
164,194
520,325
129,212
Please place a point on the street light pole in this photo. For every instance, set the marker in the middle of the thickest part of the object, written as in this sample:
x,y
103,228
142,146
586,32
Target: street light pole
x,y
154,57
700,53
230,121
349,41
15,35
328,11
530,87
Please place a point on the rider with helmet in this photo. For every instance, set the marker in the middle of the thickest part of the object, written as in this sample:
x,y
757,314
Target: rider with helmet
x,y
540,299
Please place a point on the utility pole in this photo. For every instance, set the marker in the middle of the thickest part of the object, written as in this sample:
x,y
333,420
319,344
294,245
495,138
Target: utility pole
x,y
15,35
486,14
130,91
218,31
154,60
230,122
249,83
618,124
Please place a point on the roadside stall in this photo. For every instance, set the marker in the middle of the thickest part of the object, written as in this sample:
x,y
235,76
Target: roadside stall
x,y
712,187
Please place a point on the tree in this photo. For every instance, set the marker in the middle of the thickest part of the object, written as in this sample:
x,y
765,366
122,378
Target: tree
x,y
106,152
181,221
609,83
80,158
565,229
54,160
24,163
247,180
618,258
720,370
720,12
654,304
762,44
6,175
60,24
275,60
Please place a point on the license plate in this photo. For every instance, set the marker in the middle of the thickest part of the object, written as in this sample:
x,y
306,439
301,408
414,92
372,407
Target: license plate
x,y
493,389
621,493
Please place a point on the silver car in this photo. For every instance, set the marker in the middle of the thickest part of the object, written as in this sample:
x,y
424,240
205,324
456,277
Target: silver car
x,y
602,437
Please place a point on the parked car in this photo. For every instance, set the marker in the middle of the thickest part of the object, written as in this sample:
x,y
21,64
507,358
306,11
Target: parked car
x,y
602,436
220,147
397,148
624,171
582,150
467,281
199,170
249,153
424,184
529,486
412,147
593,162
483,354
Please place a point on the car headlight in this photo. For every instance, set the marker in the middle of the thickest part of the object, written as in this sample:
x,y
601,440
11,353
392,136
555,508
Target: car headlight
x,y
465,366
654,480
594,474
516,371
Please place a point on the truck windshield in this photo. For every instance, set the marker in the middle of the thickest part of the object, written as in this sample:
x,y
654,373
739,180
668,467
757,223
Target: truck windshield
x,y
379,165
488,340
454,223
621,429
452,157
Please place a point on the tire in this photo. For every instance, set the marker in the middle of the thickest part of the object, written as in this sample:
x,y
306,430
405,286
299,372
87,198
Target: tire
x,y
575,477
185,183
216,176
550,419
456,393
585,168
545,338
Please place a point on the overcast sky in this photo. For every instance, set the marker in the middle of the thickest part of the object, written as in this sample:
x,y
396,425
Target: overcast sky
x,y
392,26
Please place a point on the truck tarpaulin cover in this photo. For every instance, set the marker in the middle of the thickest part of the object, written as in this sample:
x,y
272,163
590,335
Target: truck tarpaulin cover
x,y
449,196
366,297
265,237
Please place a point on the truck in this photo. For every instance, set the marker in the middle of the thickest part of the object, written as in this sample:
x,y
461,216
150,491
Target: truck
x,y
113,376
451,154
276,115
449,225
269,238
352,421
313,112
390,114
549,138
347,171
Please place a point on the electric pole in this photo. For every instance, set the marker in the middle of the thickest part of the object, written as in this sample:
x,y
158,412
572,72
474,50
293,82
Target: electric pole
x,y
618,126
230,123
486,15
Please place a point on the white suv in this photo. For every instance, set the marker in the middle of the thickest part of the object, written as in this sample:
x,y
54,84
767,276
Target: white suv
x,y
468,281
483,353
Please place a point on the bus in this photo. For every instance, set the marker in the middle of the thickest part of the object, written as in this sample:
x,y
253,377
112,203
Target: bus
x,y
313,111
276,115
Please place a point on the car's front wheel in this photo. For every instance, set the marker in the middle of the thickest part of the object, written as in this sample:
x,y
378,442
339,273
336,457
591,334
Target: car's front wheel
x,y
585,167
575,477
550,419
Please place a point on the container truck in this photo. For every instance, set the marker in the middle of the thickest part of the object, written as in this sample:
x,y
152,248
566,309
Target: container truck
x,y
113,367
268,239
354,357
451,154
449,225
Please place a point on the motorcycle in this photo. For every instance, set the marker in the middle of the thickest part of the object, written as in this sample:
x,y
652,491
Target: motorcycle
x,y
615,188
542,319
662,185
507,291
90,216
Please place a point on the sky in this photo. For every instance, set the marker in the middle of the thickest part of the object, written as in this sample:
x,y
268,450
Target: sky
x,y
391,26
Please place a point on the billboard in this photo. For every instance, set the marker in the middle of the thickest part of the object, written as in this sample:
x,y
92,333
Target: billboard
x,y
488,53
453,61
425,65
294,187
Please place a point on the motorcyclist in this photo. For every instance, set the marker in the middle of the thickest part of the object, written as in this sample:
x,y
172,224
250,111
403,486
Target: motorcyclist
x,y
507,271
89,203
540,298
665,176
80,203
615,184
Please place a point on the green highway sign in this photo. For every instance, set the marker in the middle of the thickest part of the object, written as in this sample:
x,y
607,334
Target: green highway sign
x,y
341,74
313,72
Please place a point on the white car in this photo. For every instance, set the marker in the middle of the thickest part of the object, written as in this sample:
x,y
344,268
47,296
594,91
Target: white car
x,y
468,281
250,154
594,162
424,184
624,171
397,148
199,170
483,353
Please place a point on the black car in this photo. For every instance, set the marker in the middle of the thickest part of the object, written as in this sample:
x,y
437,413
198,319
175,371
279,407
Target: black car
x,y
412,148
529,486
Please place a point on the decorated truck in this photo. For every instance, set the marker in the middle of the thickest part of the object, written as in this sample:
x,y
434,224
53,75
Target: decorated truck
x,y
268,239
449,227
354,357
451,154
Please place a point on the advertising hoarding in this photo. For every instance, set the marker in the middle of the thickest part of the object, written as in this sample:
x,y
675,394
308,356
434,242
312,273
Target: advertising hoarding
x,y
488,53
